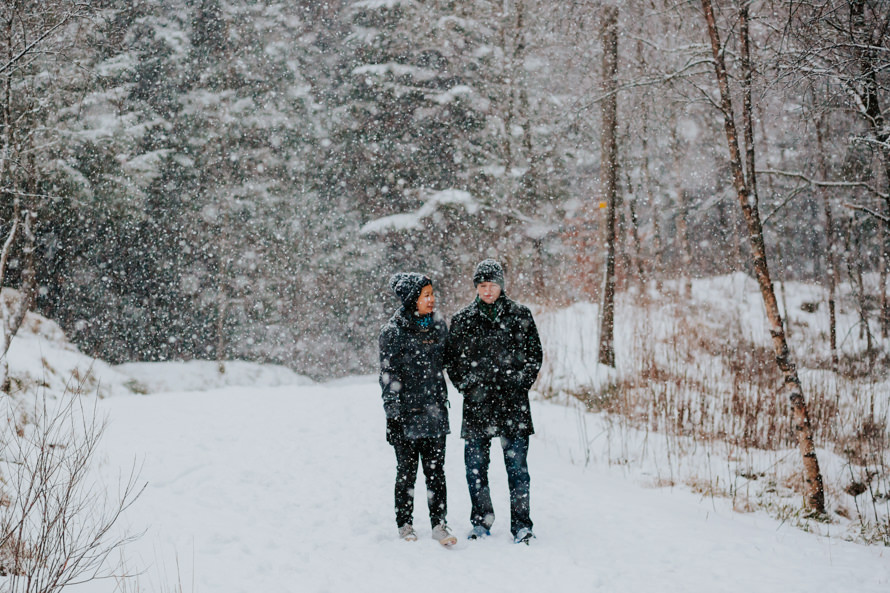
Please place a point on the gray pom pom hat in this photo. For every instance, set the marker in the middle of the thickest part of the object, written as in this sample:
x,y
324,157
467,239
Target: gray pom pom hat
x,y
407,286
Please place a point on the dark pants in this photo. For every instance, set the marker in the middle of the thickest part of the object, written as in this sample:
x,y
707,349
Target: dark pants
x,y
477,458
431,452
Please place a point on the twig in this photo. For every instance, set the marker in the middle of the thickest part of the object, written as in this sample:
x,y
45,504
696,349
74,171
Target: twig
x,y
21,194
877,215
822,183
35,43
784,203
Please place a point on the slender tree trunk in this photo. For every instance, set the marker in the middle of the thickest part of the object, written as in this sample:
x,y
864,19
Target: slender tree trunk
x,y
519,77
884,316
221,306
7,101
831,274
11,319
6,180
622,253
656,226
637,258
5,313
223,250
609,174
869,65
815,496
508,71
682,212
656,268
222,297
854,272
782,294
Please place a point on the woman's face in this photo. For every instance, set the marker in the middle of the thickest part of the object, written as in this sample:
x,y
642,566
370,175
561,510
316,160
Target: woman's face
x,y
427,301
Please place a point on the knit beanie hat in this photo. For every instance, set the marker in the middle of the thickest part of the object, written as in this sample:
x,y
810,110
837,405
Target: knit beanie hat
x,y
407,286
488,270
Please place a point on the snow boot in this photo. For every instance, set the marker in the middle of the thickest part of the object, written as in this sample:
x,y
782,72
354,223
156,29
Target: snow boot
x,y
523,536
442,534
478,532
407,533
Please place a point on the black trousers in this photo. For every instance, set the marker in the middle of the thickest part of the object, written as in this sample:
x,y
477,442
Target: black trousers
x,y
431,452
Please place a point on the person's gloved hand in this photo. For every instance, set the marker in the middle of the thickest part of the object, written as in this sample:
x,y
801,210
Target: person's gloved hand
x,y
394,431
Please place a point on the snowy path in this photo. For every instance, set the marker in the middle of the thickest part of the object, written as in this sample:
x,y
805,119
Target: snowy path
x,y
289,489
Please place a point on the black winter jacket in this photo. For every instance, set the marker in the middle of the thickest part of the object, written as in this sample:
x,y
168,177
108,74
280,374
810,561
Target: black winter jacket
x,y
411,364
494,364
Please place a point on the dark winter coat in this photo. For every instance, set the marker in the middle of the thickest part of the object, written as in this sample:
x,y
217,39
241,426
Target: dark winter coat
x,y
411,365
494,363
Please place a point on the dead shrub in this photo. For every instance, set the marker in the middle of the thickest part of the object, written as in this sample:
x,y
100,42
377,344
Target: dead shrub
x,y
57,526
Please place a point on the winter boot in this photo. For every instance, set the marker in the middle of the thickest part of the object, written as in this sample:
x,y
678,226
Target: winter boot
x,y
523,536
478,532
407,533
442,534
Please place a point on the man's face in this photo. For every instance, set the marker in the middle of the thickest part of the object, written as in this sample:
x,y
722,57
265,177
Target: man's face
x,y
488,291
427,301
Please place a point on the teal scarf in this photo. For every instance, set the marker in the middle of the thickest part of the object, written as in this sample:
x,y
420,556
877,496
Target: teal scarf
x,y
423,321
491,311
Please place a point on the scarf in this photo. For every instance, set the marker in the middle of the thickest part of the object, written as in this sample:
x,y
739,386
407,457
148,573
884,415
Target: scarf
x,y
491,311
423,321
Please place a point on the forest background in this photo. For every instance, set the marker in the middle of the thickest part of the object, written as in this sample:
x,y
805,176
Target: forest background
x,y
701,188
208,179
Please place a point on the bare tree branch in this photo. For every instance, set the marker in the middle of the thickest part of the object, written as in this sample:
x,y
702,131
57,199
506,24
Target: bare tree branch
x,y
682,72
794,193
821,183
868,211
21,194
40,39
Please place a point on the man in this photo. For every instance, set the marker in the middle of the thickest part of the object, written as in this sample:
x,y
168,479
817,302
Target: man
x,y
493,358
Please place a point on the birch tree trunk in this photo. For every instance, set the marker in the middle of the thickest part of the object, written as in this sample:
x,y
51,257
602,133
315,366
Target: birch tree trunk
x,y
609,179
815,495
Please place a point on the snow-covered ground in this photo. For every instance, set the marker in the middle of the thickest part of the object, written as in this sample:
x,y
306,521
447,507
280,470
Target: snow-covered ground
x,y
729,308
290,489
259,479
42,360
695,397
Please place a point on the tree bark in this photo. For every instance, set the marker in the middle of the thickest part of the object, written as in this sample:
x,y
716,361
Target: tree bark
x,y
609,175
869,65
831,274
636,261
11,319
656,226
815,495
681,221
884,316
655,269
853,249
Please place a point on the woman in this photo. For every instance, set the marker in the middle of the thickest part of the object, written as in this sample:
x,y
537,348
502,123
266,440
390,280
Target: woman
x,y
412,349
